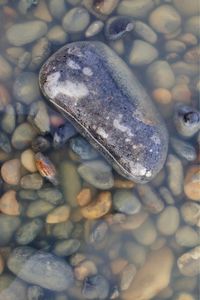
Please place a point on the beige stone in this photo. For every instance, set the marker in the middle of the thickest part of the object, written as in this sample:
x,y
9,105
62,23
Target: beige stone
x,y
10,171
9,204
41,12
58,215
28,160
1,264
192,183
153,277
84,197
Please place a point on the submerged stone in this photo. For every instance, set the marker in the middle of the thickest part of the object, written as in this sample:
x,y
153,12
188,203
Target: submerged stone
x,y
95,90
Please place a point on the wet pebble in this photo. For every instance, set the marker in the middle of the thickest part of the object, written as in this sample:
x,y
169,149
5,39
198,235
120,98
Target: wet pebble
x,y
9,204
192,56
38,208
41,11
62,230
183,68
190,212
95,287
76,20
145,32
5,69
184,149
186,8
94,28
137,8
165,19
8,121
4,97
84,269
164,226
65,132
40,144
181,93
57,8
167,195
51,195
126,201
98,232
32,266
135,253
28,231
5,143
8,225
188,38
46,168
38,115
186,236
35,292
10,171
99,207
175,175
31,181
2,264
39,53
162,96
160,75
142,53
84,197
12,288
29,195
56,35
98,173
82,148
192,25
28,160
192,183
32,30
26,88
66,247
117,27
127,276
175,46
24,6
146,234
188,263
58,215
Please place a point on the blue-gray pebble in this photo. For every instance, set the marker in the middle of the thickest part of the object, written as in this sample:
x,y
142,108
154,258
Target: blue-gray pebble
x,y
97,92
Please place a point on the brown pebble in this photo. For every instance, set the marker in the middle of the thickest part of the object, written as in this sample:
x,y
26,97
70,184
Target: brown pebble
x,y
118,264
123,184
85,269
2,264
4,97
41,12
98,208
192,183
188,38
84,197
58,215
9,204
188,263
10,171
135,221
162,96
192,56
181,93
76,215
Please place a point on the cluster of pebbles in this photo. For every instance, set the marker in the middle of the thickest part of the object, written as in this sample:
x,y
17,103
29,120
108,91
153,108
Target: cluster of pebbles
x,y
70,228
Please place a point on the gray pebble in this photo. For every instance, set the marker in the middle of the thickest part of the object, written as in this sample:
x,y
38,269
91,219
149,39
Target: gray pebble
x,y
24,60
31,181
175,175
32,30
98,173
186,236
51,195
35,292
57,8
76,20
38,208
160,75
126,276
150,199
98,232
192,26
82,148
40,144
175,46
137,8
13,54
95,287
135,253
62,230
184,149
28,232
145,32
94,28
5,69
142,53
12,288
26,88
66,247
40,268
39,53
27,195
38,115
165,19
126,201
168,221
146,234
8,225
5,143
167,195
57,35
183,68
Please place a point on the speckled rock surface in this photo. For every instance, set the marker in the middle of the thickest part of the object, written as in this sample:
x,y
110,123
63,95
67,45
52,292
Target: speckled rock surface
x,y
118,119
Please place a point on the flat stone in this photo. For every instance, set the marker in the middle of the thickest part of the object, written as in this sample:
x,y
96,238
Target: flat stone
x,y
164,226
8,225
192,183
142,53
5,69
40,268
23,136
149,280
71,78
76,20
11,171
28,231
137,8
125,201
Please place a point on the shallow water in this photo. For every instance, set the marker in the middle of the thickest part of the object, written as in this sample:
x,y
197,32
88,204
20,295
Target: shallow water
x,y
135,248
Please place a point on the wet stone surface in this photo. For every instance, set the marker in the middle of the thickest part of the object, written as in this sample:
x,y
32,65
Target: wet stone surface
x,y
132,136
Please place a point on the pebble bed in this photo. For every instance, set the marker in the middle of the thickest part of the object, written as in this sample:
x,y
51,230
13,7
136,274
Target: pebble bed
x,y
70,227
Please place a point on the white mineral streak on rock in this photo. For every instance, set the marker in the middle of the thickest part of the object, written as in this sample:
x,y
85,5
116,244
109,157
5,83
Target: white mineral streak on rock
x,y
102,133
73,65
123,128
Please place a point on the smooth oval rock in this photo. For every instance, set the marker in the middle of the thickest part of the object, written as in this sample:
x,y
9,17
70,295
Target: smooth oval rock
x,y
119,120
41,268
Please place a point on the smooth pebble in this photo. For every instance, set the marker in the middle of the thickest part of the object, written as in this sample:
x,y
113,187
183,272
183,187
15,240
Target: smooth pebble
x,y
164,226
142,53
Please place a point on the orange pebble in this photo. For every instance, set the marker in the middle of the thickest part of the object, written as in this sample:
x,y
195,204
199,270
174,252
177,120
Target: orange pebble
x,y
84,197
162,96
118,265
56,121
9,12
9,204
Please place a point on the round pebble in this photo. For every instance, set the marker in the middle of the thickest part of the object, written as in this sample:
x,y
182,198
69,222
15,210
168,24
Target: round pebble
x,y
62,230
188,263
23,136
160,75
9,204
84,197
57,8
51,195
38,208
146,234
145,32
142,53
28,160
136,8
190,212
66,247
8,225
162,96
186,236
183,149
165,19
187,8
94,28
135,253
181,93
57,35
8,122
125,201
5,69
32,31
76,20
164,226
31,181
10,171
58,215
28,231
192,183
